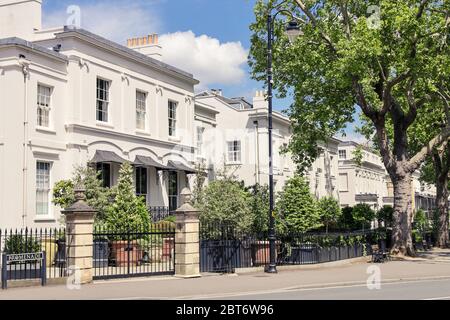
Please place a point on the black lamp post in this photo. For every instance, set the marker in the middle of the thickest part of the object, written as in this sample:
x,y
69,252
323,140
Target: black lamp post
x,y
292,31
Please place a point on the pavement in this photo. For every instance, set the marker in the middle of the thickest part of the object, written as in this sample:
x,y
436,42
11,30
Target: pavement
x,y
424,277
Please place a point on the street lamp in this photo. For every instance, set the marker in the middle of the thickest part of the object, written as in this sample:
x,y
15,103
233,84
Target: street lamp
x,y
293,31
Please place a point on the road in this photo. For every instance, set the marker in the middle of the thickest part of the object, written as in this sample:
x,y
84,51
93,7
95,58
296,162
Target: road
x,y
407,290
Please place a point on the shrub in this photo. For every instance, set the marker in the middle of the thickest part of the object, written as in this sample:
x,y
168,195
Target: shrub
x,y
385,214
226,202
96,195
18,243
330,211
363,215
298,207
346,221
128,212
259,204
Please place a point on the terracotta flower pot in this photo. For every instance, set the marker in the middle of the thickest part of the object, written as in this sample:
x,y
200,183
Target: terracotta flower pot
x,y
122,252
261,252
168,247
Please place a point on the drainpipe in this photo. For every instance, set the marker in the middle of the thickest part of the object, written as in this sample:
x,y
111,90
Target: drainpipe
x,y
24,64
255,123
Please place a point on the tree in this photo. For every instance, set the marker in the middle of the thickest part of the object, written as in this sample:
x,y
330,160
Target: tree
x,y
226,202
436,171
363,215
330,211
298,207
259,204
88,178
128,212
345,60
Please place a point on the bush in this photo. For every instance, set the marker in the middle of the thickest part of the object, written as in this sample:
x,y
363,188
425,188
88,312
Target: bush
x,y
330,211
363,215
385,214
96,195
18,243
346,221
259,205
298,207
226,202
128,212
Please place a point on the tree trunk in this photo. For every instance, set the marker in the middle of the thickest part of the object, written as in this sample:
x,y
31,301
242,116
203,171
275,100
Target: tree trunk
x,y
442,206
402,230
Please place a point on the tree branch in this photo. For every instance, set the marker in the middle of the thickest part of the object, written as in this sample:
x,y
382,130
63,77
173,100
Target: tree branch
x,y
313,20
428,149
383,140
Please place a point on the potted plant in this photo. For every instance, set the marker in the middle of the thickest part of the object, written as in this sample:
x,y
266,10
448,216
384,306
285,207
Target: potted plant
x,y
168,241
127,217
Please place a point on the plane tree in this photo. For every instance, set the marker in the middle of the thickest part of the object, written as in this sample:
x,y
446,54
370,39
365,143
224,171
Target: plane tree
x,y
385,58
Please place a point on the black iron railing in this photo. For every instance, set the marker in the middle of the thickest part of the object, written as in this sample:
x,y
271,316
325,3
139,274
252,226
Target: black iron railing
x,y
17,246
137,251
159,213
223,248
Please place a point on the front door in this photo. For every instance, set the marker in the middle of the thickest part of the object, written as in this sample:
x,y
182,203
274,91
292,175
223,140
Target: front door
x,y
173,190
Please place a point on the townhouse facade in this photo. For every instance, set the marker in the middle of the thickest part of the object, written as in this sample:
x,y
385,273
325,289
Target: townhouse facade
x,y
69,98
232,136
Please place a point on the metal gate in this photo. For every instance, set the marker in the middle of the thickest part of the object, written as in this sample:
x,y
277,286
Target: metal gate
x,y
223,250
134,253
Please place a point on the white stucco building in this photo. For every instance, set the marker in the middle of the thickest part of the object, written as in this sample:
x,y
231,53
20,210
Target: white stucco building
x,y
69,97
369,182
232,133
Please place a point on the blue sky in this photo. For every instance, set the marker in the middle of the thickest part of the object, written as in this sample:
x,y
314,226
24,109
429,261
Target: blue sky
x,y
216,31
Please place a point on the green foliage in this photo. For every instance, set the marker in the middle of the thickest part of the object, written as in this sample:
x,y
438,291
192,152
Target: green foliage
x,y
259,205
63,193
330,211
17,243
421,222
358,155
199,182
363,215
96,195
226,201
346,221
385,214
128,211
298,207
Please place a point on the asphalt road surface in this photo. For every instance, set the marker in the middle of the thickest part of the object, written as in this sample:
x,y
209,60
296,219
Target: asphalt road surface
x,y
409,290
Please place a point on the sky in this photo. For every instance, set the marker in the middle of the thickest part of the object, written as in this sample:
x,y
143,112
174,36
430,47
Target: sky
x,y
209,38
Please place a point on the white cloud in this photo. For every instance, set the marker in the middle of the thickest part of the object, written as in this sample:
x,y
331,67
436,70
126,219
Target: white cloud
x,y
117,22
207,58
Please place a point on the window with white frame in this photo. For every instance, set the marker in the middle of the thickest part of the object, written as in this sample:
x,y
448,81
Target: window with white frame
x,y
234,151
342,154
42,188
141,109
43,105
200,132
172,118
102,99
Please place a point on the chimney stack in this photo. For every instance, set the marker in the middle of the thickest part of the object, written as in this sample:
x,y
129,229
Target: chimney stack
x,y
146,45
260,100
20,18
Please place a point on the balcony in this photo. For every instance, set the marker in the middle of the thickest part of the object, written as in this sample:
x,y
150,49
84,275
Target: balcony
x,y
159,213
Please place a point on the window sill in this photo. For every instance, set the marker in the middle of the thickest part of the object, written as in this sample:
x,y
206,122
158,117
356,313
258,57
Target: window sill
x,y
105,124
44,219
143,133
229,163
45,130
174,139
